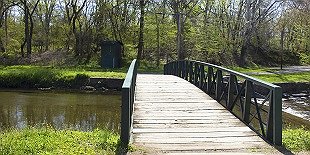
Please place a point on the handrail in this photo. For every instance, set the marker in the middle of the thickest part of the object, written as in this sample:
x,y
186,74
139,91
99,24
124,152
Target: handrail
x,y
128,90
238,93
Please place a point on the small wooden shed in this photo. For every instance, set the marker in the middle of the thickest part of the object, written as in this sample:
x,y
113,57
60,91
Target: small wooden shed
x,y
111,54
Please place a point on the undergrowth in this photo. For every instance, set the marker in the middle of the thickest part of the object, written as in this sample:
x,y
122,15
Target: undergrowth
x,y
50,141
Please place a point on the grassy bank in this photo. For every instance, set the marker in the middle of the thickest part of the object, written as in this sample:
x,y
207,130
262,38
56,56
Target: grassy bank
x,y
38,76
296,139
285,78
272,75
50,141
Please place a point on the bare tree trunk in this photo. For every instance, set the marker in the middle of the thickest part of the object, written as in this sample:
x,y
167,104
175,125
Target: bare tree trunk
x,y
141,41
158,42
180,37
26,32
247,33
6,28
29,39
2,48
282,46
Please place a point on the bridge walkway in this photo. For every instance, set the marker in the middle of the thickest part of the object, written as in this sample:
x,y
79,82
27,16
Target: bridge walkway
x,y
172,116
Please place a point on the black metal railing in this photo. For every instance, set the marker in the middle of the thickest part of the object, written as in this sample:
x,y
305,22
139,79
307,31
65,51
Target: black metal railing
x,y
128,90
257,103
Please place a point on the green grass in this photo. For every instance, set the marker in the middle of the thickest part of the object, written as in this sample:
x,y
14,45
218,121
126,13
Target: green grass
x,y
252,70
45,76
280,78
269,75
296,139
50,141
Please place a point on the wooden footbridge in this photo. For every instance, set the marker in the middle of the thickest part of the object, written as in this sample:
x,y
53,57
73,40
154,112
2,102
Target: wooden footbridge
x,y
199,108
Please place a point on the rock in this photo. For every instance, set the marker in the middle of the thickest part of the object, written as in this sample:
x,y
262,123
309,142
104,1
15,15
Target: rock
x,y
286,95
46,89
102,89
88,88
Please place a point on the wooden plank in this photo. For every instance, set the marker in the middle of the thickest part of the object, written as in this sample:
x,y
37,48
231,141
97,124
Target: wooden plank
x,y
173,116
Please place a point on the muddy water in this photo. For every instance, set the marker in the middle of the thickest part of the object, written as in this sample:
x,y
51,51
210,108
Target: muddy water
x,y
79,111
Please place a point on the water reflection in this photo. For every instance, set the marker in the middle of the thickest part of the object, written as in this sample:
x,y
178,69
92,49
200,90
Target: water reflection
x,y
60,110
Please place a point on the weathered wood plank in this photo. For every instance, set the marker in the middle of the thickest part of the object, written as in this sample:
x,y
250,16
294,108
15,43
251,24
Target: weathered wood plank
x,y
173,116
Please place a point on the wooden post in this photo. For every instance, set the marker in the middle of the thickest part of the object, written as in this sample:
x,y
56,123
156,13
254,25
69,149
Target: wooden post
x,y
196,76
247,101
202,76
186,69
277,116
180,67
125,118
218,88
210,75
269,131
231,91
190,71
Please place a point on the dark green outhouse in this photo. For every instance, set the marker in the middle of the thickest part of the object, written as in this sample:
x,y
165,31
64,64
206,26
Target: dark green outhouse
x,y
111,54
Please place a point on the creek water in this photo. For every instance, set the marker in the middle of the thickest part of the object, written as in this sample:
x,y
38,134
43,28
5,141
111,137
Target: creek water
x,y
87,111
297,106
80,111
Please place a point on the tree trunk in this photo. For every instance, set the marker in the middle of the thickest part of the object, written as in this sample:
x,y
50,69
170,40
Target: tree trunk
x,y
247,34
141,41
158,43
180,37
26,32
2,49
29,39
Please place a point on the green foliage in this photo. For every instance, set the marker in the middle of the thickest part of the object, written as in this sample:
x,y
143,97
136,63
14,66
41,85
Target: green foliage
x,y
36,76
50,141
296,139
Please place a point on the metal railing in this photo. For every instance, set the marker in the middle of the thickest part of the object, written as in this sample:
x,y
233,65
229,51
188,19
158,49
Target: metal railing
x,y
128,90
255,102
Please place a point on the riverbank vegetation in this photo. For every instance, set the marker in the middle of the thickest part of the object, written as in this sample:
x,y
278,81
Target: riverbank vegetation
x,y
296,139
46,76
50,141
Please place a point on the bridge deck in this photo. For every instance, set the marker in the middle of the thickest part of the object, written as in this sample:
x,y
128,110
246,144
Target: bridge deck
x,y
173,116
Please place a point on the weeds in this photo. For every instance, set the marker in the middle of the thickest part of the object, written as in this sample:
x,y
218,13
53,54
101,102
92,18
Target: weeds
x,y
50,141
296,139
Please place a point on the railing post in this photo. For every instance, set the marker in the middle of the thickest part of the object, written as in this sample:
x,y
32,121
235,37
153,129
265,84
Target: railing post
x,y
202,76
231,91
277,116
186,70
179,71
125,118
218,89
210,75
190,71
247,101
196,72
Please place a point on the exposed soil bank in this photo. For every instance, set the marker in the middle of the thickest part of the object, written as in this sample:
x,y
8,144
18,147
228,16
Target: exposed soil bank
x,y
106,83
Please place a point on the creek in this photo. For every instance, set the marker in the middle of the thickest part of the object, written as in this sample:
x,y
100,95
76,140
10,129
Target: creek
x,y
61,110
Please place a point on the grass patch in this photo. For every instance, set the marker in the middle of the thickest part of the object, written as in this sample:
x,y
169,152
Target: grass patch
x,y
296,139
51,141
250,70
280,78
269,75
45,76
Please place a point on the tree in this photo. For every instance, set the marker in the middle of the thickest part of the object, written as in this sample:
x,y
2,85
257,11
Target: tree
x,y
141,29
45,14
29,9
